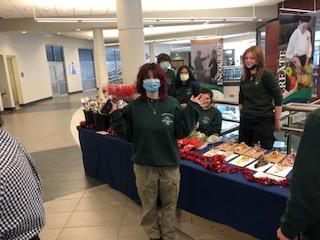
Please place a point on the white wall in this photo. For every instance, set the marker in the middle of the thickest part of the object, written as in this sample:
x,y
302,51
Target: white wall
x,y
30,53
32,62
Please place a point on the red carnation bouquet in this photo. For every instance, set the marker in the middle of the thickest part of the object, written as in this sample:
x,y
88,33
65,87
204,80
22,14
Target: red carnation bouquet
x,y
125,92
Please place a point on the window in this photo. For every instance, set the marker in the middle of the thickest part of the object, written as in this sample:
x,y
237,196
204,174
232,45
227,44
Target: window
x,y
54,53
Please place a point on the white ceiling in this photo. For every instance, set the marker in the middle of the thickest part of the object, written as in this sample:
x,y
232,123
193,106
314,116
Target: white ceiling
x,y
77,8
18,16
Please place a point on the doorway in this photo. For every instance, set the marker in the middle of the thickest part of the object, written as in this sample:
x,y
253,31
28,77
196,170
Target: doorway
x,y
87,70
57,71
14,78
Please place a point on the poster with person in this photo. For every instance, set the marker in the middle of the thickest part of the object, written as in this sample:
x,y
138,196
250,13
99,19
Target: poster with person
x,y
207,60
295,57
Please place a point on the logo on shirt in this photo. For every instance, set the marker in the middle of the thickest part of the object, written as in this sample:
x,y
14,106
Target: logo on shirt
x,y
189,91
205,120
167,119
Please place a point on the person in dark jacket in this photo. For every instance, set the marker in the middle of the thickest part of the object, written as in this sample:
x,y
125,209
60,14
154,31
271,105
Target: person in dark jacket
x,y
210,117
164,62
185,85
152,123
303,207
260,101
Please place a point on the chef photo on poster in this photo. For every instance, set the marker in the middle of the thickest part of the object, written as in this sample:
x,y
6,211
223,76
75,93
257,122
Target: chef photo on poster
x,y
295,62
207,60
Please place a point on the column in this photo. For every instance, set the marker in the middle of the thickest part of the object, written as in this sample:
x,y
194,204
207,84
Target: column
x,y
151,52
131,38
100,65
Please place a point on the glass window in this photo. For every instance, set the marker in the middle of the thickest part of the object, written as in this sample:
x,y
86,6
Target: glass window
x,y
58,55
85,55
49,51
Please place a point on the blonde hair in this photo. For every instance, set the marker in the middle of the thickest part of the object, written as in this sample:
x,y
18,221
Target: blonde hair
x,y
258,56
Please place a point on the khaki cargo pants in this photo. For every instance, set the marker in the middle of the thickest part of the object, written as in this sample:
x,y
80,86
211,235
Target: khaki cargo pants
x,y
153,182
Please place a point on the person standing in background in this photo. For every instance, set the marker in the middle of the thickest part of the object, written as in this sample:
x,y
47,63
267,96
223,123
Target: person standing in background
x,y
299,48
164,62
213,65
198,64
21,196
302,214
185,86
153,123
260,101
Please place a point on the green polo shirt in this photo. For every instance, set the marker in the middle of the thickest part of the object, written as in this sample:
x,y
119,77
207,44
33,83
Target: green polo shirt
x,y
210,121
258,95
154,135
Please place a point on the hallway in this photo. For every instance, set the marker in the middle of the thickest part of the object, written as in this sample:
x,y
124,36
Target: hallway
x,y
78,207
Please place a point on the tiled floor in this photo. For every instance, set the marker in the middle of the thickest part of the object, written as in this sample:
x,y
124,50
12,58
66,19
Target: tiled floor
x,y
78,207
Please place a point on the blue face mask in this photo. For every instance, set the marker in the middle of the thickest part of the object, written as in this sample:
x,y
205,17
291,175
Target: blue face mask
x,y
151,85
165,65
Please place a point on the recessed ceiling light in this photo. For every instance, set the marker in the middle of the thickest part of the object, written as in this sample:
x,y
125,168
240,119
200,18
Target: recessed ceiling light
x,y
78,29
58,33
260,20
23,32
46,9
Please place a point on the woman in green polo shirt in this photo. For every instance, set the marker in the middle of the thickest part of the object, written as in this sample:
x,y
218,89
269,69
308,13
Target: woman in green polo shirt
x,y
152,123
260,101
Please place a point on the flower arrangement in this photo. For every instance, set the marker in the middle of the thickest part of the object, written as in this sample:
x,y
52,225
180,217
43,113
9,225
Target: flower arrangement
x,y
125,92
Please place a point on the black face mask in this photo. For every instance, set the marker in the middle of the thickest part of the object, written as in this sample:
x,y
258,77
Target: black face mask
x,y
253,67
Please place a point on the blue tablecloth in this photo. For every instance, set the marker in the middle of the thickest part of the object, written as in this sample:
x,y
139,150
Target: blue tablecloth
x,y
221,197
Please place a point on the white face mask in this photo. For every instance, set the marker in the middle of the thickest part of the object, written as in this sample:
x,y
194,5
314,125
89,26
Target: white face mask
x,y
184,77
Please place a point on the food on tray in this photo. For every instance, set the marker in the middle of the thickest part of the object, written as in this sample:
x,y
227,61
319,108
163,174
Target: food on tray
x,y
241,148
261,162
274,156
288,161
255,152
227,146
243,159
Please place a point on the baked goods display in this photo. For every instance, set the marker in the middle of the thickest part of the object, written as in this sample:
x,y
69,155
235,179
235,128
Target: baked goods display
x,y
213,151
242,161
255,152
241,148
271,163
274,156
227,146
284,167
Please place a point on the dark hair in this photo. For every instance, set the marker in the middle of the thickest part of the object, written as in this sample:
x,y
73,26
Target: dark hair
x,y
258,56
191,77
162,57
305,18
206,91
157,73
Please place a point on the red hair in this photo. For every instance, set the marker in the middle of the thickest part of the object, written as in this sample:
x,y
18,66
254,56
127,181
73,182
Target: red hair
x,y
157,72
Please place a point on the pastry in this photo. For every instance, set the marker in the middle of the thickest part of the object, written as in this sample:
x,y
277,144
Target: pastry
x,y
255,152
227,145
241,148
274,156
242,159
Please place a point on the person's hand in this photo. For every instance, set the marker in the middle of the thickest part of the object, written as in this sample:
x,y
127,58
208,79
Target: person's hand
x,y
277,125
197,126
197,99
